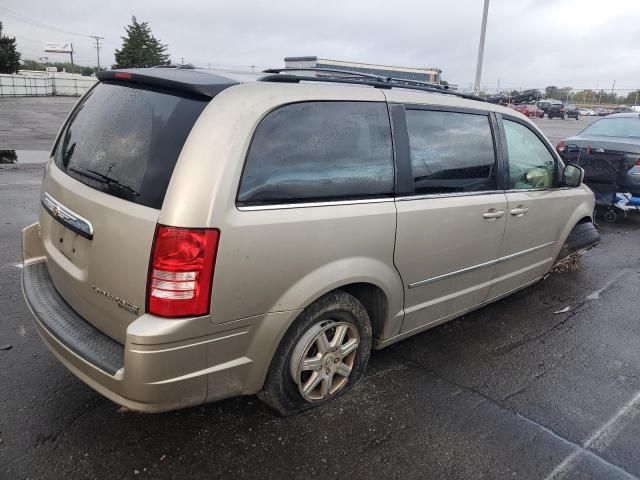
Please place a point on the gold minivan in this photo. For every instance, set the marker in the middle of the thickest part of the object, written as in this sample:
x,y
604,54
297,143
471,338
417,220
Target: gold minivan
x,y
211,234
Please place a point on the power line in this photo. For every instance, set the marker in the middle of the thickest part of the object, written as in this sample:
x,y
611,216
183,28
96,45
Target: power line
x,y
37,23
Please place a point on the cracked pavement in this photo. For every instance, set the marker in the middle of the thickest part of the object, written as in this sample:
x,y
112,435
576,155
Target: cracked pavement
x,y
513,390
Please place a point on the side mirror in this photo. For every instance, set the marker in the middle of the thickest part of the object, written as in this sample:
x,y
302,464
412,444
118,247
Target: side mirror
x,y
572,175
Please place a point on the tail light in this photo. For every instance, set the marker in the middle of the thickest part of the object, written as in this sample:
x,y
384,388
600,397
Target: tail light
x,y
181,271
561,146
638,163
123,76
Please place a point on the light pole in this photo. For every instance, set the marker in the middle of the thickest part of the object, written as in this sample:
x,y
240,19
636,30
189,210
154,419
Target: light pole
x,y
483,31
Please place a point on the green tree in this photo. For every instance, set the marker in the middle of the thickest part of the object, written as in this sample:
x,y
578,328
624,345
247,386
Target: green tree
x,y
9,56
551,91
633,98
140,48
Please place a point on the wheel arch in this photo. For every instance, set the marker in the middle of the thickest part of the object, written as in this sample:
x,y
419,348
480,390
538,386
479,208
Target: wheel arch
x,y
582,213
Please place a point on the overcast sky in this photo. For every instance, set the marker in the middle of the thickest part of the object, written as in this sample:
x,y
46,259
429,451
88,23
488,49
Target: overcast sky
x,y
530,43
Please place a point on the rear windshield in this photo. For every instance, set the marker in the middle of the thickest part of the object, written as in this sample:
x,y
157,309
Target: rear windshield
x,y
615,127
125,139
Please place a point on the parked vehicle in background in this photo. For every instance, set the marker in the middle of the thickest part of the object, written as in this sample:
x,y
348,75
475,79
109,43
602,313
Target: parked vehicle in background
x,y
571,111
530,95
544,105
559,110
530,111
616,134
584,112
601,111
499,99
207,234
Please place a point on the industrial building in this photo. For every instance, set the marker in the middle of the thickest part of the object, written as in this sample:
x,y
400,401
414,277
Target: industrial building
x,y
405,73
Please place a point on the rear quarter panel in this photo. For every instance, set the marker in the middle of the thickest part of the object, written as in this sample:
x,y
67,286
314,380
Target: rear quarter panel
x,y
279,259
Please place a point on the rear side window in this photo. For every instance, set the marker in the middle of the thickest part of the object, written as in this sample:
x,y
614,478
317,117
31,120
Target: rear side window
x,y
125,139
319,151
451,152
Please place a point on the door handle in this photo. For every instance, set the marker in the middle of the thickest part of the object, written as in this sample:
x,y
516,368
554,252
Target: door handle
x,y
519,211
492,214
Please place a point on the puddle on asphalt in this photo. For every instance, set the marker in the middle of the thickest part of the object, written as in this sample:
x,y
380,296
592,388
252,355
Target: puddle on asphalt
x,y
23,156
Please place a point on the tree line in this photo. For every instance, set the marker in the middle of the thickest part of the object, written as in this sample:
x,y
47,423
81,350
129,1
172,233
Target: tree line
x,y
140,48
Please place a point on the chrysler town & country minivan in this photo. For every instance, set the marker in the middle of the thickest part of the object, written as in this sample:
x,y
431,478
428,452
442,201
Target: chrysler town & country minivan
x,y
206,234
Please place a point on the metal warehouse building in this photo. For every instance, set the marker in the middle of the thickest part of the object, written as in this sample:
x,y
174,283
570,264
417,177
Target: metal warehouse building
x,y
419,74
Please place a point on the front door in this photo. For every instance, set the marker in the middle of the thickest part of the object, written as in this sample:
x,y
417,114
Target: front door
x,y
536,209
450,227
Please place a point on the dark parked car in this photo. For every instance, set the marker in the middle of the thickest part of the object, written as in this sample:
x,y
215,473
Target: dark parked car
x,y
563,111
614,134
526,96
499,99
544,106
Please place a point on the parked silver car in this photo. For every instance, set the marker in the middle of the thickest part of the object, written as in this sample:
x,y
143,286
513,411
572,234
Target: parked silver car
x,y
205,235
616,135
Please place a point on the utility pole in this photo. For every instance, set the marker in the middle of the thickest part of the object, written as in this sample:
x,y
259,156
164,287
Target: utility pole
x,y
613,98
483,32
636,102
71,53
97,39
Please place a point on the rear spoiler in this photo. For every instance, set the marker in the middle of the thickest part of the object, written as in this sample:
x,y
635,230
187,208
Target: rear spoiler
x,y
183,80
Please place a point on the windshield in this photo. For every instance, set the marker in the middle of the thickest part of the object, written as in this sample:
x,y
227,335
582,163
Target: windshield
x,y
124,139
615,127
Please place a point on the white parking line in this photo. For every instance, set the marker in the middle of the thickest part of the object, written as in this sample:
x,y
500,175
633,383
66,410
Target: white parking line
x,y
601,438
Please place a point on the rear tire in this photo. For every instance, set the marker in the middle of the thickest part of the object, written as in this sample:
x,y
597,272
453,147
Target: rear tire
x,y
307,369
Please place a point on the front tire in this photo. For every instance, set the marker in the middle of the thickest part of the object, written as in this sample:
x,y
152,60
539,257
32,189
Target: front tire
x,y
322,355
583,236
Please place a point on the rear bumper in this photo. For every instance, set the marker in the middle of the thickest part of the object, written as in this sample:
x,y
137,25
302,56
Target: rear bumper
x,y
164,364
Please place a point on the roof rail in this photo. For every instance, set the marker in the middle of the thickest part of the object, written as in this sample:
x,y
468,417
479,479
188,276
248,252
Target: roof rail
x,y
185,66
357,78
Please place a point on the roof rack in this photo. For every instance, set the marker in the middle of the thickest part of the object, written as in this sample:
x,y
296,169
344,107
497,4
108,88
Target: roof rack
x,y
185,66
357,78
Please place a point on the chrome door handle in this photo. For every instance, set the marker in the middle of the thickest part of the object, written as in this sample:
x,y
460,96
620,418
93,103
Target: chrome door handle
x,y
493,214
520,211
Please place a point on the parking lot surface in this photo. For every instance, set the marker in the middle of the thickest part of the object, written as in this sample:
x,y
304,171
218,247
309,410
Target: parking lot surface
x,y
522,388
31,123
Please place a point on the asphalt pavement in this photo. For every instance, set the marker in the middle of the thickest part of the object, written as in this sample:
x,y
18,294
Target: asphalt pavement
x,y
513,390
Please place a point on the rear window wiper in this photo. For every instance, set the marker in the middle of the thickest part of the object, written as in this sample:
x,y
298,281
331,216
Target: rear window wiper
x,y
102,178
